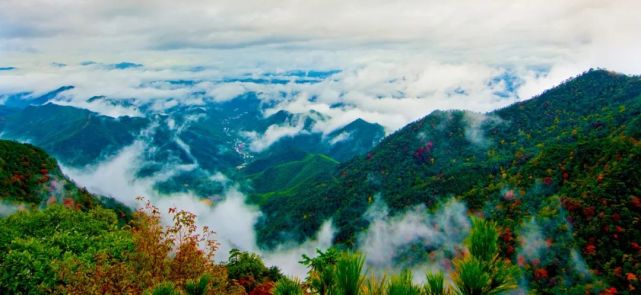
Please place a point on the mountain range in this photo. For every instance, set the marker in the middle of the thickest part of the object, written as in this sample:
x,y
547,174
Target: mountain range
x,y
558,172
233,137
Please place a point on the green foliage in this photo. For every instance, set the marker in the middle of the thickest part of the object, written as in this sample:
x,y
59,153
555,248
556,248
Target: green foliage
x,y
565,158
30,178
164,288
286,286
245,264
321,275
199,287
471,277
349,278
285,179
402,284
482,271
77,136
24,172
35,241
334,272
374,285
586,209
435,284
405,172
249,270
483,239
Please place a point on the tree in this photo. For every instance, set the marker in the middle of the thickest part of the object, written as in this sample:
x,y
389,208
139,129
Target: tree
x,y
482,271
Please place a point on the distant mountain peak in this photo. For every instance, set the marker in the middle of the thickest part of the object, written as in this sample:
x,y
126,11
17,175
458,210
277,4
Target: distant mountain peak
x,y
126,65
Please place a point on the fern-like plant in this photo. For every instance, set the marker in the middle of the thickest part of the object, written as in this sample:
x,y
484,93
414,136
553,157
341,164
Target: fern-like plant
x,y
199,287
286,286
483,271
483,239
348,274
402,284
374,285
435,284
471,277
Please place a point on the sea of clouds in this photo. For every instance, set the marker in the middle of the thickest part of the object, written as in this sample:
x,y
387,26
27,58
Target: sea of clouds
x,y
233,219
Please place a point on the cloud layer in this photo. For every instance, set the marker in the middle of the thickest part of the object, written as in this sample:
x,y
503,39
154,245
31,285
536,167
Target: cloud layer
x,y
228,215
439,233
391,94
399,60
330,33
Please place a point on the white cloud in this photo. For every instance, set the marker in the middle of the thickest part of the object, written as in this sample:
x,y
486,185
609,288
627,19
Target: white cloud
x,y
399,60
322,32
442,231
392,94
287,257
340,137
232,218
473,131
223,91
260,142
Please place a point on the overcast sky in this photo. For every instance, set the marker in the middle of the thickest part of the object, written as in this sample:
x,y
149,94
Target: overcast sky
x,y
426,48
328,32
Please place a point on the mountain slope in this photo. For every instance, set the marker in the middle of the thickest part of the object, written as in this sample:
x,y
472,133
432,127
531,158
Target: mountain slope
x,y
287,177
29,177
203,139
560,172
77,136
450,153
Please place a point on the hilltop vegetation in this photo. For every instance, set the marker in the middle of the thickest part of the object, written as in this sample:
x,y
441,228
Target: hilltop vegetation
x,y
84,248
70,251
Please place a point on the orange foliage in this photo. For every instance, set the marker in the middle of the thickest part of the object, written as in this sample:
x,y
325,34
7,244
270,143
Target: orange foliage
x,y
609,291
265,288
590,249
541,273
107,277
161,253
69,203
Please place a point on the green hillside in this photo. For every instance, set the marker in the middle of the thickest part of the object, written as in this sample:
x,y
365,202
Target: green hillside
x,y
557,176
566,160
285,178
76,135
30,178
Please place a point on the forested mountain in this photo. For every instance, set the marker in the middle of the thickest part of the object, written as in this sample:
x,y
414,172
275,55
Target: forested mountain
x,y
30,178
217,137
76,135
564,162
559,174
76,246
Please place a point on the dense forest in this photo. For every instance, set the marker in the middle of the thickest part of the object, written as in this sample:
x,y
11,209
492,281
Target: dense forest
x,y
64,240
564,162
552,186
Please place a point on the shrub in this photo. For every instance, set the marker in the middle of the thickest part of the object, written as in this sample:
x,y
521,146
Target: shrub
x,y
286,286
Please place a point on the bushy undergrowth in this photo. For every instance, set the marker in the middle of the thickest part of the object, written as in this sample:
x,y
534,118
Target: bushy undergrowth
x,y
70,251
